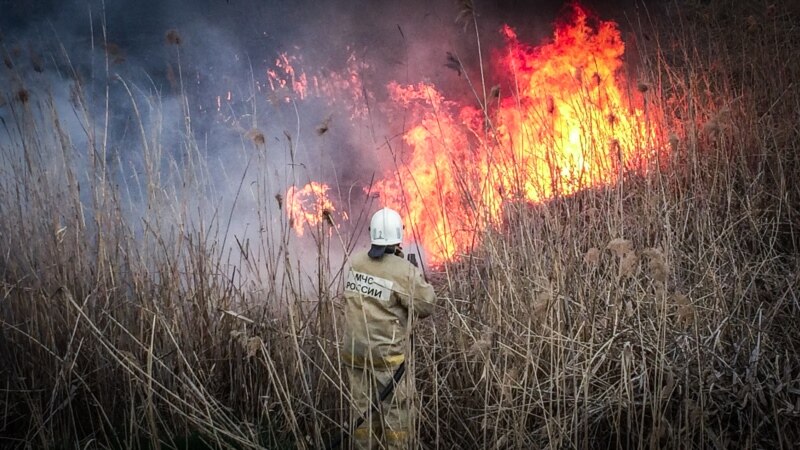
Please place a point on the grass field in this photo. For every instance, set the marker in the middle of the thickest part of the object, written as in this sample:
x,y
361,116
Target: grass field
x,y
658,312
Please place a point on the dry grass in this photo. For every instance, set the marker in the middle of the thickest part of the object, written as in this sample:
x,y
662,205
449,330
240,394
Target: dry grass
x,y
659,313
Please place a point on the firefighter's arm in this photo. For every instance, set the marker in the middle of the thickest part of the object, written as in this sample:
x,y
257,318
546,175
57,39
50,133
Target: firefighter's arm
x,y
421,297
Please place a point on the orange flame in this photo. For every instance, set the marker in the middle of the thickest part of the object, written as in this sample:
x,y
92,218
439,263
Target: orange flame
x,y
566,124
288,81
308,206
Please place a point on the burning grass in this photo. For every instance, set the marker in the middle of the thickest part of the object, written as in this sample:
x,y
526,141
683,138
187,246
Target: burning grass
x,y
571,121
658,311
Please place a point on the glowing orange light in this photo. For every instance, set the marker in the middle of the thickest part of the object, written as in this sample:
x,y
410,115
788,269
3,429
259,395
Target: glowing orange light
x,y
564,123
308,206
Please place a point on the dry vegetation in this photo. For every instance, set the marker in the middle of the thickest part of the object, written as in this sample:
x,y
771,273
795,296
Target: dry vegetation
x,y
661,312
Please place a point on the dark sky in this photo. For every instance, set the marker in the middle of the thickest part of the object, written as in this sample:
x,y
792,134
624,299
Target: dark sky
x,y
16,12
249,18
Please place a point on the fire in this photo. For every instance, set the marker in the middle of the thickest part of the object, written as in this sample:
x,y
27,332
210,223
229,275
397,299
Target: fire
x,y
308,206
562,118
288,81
561,121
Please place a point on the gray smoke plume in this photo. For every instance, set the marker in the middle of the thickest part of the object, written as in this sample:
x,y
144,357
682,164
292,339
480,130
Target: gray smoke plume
x,y
195,76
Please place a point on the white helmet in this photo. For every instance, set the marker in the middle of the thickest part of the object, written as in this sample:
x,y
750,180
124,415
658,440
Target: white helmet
x,y
386,228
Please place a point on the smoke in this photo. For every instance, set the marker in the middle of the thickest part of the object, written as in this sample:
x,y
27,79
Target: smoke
x,y
150,63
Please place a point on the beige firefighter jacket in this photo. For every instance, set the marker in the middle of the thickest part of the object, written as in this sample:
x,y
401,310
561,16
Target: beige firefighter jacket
x,y
380,296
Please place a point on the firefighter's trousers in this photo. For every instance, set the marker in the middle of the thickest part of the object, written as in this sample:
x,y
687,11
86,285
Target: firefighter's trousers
x,y
389,428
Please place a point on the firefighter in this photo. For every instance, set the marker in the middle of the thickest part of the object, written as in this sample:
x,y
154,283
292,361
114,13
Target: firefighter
x,y
383,294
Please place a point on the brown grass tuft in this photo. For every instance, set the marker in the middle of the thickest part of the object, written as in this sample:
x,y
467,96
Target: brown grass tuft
x,y
173,37
619,247
114,53
327,216
466,13
324,126
481,346
253,346
657,264
542,300
592,257
36,60
452,62
257,136
628,265
685,310
673,142
23,95
628,261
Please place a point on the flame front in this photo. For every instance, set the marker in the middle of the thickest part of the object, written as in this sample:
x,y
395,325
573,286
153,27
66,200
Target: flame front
x,y
562,118
567,124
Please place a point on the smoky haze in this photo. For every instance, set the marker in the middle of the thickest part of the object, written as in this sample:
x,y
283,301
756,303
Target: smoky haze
x,y
219,53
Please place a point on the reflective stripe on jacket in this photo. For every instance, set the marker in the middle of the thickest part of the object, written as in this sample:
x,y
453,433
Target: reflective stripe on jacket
x,y
379,295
